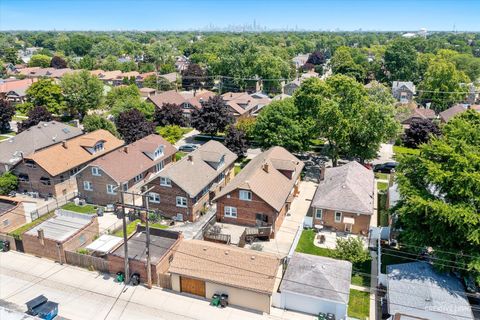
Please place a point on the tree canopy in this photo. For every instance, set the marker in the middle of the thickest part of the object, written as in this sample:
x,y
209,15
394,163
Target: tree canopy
x,y
132,125
213,117
35,116
45,92
7,111
82,92
95,122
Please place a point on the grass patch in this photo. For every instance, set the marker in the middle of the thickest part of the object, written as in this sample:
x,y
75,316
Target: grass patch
x,y
360,273
237,169
157,226
305,245
87,208
359,304
3,138
399,150
179,155
132,226
382,176
17,233
382,186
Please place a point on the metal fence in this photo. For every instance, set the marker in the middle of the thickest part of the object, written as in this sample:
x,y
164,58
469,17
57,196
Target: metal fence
x,y
86,261
52,205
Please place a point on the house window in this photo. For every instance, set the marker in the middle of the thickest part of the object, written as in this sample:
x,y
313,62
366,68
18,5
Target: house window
x,y
111,189
154,197
125,186
6,223
46,181
87,185
165,182
95,171
23,178
30,163
158,152
230,212
159,166
245,195
338,216
181,202
98,146
138,178
74,171
318,214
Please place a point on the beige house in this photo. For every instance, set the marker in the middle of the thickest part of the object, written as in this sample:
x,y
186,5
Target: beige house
x,y
249,278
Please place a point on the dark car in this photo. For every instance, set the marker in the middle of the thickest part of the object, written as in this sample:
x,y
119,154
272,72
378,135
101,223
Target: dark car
x,y
188,147
386,167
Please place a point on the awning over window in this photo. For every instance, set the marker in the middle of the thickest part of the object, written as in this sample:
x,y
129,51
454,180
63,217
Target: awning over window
x,y
348,220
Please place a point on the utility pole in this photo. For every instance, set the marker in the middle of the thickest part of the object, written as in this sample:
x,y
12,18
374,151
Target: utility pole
x,y
125,240
147,244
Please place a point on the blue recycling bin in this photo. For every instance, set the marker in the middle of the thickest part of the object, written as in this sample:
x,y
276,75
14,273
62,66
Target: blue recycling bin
x,y
42,308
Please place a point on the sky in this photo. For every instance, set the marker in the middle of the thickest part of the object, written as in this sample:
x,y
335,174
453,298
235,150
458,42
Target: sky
x,y
348,15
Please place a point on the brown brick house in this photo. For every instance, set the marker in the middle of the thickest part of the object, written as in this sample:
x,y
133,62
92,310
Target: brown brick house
x,y
344,199
127,167
163,244
260,195
50,171
184,189
67,230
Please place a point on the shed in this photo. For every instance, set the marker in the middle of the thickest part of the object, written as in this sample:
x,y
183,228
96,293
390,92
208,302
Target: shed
x,y
314,284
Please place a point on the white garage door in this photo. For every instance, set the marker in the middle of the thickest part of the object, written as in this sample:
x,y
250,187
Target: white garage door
x,y
312,305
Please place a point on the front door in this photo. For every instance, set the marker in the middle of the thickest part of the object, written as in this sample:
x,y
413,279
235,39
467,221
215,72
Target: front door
x,y
348,227
192,286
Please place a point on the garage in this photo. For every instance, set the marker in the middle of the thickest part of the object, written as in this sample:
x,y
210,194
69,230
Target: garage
x,y
192,286
314,284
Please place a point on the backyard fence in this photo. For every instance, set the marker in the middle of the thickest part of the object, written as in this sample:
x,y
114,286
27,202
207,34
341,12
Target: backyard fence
x,y
52,205
86,261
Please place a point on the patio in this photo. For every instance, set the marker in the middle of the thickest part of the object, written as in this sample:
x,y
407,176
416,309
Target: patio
x,y
327,238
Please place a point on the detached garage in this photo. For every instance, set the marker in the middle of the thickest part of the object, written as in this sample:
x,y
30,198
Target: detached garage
x,y
204,268
314,284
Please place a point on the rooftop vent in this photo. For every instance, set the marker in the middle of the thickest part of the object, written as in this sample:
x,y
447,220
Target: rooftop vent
x,y
252,257
226,252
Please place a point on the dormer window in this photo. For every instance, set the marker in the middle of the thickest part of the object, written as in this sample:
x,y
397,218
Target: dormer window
x,y
95,171
99,146
159,152
221,162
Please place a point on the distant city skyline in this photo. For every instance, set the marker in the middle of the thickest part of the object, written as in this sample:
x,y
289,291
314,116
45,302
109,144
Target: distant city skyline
x,y
236,15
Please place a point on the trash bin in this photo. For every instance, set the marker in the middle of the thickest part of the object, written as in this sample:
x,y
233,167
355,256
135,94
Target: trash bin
x,y
120,277
4,245
42,308
135,279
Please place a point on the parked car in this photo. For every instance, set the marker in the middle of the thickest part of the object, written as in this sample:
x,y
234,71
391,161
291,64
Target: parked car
x,y
189,147
386,167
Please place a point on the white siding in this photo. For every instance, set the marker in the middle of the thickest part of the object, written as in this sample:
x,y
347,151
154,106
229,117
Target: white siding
x,y
312,305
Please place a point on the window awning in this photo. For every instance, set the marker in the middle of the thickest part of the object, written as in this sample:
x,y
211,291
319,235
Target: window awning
x,y
348,220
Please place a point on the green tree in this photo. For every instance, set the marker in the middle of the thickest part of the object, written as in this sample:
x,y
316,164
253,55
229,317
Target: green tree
x,y
80,44
343,63
278,124
401,60
95,122
146,108
7,111
121,93
45,92
440,194
39,60
351,249
8,183
10,55
443,85
160,84
213,117
171,133
82,92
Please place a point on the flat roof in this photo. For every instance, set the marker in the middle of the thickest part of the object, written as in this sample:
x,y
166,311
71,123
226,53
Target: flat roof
x,y
62,226
161,241
104,244
319,277
6,205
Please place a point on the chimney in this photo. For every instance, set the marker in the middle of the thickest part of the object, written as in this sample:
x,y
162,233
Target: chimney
x,y
64,144
125,149
41,236
322,173
265,167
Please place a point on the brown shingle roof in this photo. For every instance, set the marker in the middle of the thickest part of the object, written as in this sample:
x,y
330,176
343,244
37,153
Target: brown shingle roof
x,y
272,186
170,96
448,114
123,166
58,159
226,265
192,175
11,85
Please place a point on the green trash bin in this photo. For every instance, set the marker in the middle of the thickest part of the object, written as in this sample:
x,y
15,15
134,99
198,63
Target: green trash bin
x,y
120,277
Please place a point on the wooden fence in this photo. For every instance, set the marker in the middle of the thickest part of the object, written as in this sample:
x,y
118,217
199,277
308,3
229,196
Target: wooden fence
x,y
86,261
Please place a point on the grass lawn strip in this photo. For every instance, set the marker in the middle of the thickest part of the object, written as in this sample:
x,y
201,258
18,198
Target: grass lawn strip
x,y
359,304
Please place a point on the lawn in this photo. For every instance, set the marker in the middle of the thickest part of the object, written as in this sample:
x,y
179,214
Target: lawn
x,y
132,226
399,150
382,186
17,233
359,304
179,155
382,176
3,138
88,208
237,169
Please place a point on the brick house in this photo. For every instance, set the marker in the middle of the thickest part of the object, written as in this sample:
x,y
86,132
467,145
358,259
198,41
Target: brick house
x,y
243,104
127,167
261,194
50,171
344,199
163,244
184,190
67,230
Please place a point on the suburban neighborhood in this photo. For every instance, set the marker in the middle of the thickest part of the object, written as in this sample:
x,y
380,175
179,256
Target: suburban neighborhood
x,y
238,172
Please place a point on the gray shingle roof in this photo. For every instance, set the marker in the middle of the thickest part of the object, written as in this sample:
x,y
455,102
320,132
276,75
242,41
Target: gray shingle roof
x,y
319,277
192,175
417,290
349,188
272,186
35,138
408,84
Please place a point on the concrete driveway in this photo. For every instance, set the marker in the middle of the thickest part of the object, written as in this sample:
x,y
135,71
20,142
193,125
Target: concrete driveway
x,y
294,219
385,154
83,294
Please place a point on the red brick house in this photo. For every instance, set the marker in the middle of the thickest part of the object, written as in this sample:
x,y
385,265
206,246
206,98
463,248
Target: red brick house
x,y
184,190
67,230
50,171
127,167
260,195
344,200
